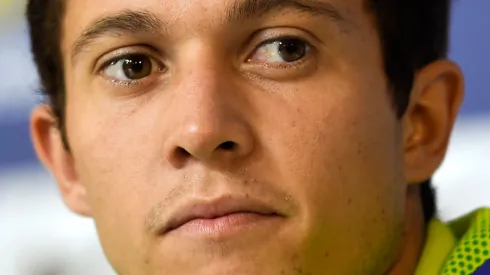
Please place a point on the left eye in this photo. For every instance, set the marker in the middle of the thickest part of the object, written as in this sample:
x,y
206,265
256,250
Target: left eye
x,y
287,50
128,68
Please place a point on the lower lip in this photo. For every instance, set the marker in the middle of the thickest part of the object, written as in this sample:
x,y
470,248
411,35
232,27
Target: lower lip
x,y
226,225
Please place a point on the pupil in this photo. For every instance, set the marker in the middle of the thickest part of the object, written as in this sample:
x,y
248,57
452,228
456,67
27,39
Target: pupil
x,y
292,49
136,67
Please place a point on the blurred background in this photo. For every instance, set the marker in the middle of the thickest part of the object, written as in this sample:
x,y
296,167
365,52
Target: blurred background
x,y
39,236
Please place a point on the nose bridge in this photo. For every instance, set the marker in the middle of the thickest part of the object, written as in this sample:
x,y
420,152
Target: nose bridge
x,y
207,124
203,94
198,72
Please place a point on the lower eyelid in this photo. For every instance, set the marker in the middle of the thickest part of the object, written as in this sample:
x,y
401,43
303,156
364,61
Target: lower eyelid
x,y
153,79
284,71
284,65
125,83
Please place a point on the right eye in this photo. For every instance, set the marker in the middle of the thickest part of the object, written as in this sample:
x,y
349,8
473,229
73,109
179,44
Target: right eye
x,y
130,68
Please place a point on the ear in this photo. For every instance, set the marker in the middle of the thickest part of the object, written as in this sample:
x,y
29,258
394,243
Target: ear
x,y
49,147
427,125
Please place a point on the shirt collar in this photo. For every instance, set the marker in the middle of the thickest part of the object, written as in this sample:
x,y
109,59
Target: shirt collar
x,y
439,243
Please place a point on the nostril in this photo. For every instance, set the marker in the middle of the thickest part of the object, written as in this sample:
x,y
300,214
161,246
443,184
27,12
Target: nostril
x,y
181,152
228,145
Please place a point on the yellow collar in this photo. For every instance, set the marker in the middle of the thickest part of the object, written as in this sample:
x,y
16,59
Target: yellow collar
x,y
438,245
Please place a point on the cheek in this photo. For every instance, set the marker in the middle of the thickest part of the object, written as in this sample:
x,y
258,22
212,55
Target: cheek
x,y
341,158
346,138
116,156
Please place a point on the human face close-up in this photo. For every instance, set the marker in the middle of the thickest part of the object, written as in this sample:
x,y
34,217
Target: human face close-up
x,y
233,137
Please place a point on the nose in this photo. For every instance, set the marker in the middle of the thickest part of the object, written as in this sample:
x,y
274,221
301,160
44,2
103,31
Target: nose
x,y
210,121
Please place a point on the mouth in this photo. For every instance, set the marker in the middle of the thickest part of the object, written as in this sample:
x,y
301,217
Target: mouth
x,y
221,217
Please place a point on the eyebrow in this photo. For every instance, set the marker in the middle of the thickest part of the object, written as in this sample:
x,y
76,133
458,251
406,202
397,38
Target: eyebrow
x,y
125,22
247,9
137,22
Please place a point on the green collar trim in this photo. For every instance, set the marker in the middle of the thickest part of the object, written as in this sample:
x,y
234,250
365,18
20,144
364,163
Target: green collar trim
x,y
459,247
473,249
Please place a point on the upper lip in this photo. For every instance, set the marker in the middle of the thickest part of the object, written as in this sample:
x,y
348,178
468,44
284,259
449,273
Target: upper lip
x,y
209,209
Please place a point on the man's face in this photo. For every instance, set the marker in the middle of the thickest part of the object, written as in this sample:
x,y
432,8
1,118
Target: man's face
x,y
234,137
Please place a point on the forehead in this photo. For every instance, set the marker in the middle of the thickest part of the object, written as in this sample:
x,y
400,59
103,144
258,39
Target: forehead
x,y
188,14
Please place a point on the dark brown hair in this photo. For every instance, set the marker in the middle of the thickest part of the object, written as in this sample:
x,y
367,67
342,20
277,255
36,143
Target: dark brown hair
x,y
413,33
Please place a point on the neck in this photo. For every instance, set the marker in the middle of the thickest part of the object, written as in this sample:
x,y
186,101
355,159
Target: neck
x,y
414,235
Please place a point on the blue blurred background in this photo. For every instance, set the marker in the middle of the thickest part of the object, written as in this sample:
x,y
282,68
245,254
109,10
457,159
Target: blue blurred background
x,y
39,236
